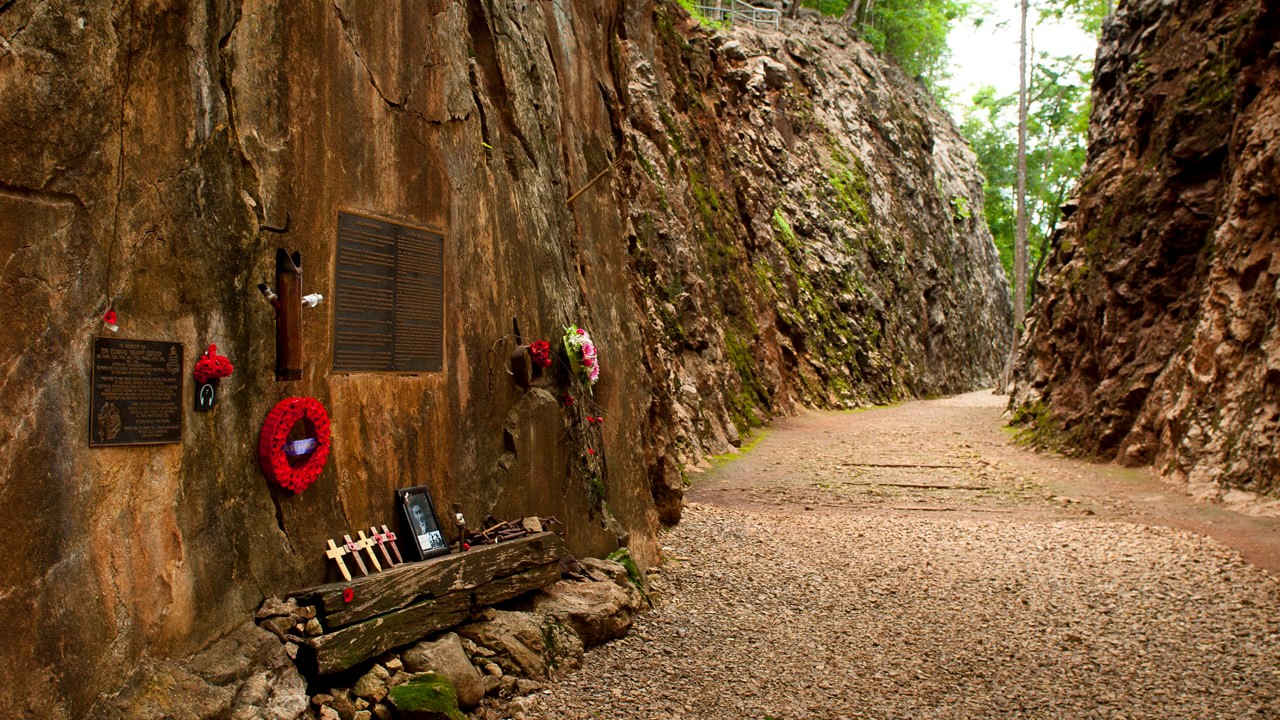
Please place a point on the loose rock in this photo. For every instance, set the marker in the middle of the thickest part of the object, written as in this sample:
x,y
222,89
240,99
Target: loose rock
x,y
447,657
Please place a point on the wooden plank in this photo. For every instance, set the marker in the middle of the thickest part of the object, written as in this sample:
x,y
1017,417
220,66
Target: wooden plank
x,y
403,585
348,646
508,587
352,645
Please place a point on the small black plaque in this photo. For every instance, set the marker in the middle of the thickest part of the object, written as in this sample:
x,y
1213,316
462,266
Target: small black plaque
x,y
388,297
136,392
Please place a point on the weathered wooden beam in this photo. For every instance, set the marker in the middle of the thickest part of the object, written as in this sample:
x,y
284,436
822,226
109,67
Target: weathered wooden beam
x,y
403,585
345,647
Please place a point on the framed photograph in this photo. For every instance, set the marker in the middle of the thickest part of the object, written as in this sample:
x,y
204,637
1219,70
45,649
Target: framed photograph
x,y
424,536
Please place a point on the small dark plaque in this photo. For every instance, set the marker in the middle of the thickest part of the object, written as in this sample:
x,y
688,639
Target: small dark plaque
x,y
388,297
136,392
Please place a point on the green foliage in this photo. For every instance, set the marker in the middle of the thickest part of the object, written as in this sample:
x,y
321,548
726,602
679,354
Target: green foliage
x,y
914,32
1057,123
692,7
1088,14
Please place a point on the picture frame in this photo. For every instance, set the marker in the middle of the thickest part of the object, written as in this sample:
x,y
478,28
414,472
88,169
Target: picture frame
x,y
423,535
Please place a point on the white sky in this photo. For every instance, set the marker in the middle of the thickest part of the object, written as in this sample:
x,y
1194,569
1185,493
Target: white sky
x,y
988,55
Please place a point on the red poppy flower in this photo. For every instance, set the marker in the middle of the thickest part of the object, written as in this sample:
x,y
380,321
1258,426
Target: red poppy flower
x,y
348,595
568,401
591,451
540,351
212,366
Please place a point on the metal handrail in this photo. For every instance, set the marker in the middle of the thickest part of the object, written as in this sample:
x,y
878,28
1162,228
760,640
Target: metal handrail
x,y
757,16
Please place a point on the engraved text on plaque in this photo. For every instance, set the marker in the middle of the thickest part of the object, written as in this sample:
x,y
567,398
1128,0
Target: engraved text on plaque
x,y
388,297
136,392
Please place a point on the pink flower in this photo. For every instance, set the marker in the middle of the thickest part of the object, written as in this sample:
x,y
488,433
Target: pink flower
x,y
588,350
581,331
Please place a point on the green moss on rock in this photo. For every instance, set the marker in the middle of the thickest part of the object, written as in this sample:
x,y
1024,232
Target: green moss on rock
x,y
1036,425
426,697
622,556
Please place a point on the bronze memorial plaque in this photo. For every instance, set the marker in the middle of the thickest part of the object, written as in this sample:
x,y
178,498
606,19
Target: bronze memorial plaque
x,y
136,392
388,297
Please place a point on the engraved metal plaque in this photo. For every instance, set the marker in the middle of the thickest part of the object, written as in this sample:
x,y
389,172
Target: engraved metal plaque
x,y
388,297
135,393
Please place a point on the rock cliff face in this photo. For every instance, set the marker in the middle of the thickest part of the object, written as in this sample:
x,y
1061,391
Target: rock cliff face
x,y
1155,339
788,221
807,227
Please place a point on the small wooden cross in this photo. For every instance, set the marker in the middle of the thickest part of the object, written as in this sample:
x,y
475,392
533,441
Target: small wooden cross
x,y
367,544
354,548
382,545
335,554
391,538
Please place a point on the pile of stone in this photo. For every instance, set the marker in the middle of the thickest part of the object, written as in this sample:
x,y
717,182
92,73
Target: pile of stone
x,y
498,655
288,621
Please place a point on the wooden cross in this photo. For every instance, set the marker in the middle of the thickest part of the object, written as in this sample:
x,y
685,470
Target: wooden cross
x,y
382,545
367,544
335,554
354,548
391,538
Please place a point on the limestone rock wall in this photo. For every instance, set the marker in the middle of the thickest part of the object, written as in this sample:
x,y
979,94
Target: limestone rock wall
x,y
806,228
1155,339
787,222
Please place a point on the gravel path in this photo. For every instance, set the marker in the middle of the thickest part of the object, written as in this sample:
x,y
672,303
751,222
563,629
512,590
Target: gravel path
x,y
837,588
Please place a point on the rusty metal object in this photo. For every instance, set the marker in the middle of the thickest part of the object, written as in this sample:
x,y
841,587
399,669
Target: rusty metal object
x,y
510,530
521,366
287,300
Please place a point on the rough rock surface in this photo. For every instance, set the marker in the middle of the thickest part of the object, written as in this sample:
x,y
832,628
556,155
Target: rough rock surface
x,y
784,225
807,227
446,657
1155,339
246,674
595,611
527,644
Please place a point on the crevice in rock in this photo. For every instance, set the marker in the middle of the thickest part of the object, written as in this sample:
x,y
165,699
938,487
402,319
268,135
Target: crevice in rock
x,y
345,23
40,195
492,83
254,189
279,515
120,157
18,30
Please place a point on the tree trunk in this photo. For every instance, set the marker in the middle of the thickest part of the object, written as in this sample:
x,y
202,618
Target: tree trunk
x,y
793,11
850,16
1020,239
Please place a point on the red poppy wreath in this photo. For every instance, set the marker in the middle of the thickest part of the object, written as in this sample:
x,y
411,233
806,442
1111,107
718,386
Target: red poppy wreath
x,y
294,464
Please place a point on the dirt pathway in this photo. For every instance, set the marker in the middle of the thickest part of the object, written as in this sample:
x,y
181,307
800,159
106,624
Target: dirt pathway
x,y
912,562
869,461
